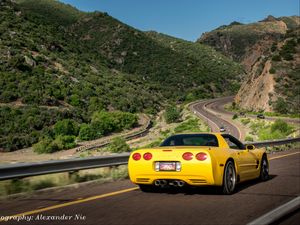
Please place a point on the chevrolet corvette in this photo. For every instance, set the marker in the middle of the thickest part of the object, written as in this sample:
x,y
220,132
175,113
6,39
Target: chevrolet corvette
x,y
199,159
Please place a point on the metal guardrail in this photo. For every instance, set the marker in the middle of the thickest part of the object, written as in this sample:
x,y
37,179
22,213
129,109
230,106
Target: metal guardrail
x,y
274,142
21,170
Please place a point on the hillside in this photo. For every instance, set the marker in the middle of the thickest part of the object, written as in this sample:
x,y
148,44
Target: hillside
x,y
59,63
274,80
216,65
269,52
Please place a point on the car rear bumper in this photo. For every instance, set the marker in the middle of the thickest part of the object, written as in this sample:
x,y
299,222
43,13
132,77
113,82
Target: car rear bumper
x,y
194,180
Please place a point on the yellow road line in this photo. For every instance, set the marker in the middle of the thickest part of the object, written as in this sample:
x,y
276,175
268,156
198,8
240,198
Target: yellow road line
x,y
72,203
99,196
281,156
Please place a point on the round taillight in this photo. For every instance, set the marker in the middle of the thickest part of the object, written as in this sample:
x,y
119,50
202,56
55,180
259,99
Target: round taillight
x,y
201,156
136,156
187,156
147,156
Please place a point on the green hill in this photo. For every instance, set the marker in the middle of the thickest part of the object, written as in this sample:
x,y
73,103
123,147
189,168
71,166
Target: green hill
x,y
59,63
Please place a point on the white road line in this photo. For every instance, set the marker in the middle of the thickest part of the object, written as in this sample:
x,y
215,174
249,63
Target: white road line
x,y
203,115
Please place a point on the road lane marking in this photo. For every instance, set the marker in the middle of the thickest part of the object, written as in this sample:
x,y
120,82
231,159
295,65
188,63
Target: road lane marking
x,y
281,156
72,203
100,196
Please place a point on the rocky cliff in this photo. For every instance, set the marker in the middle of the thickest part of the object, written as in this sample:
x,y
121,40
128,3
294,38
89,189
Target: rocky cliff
x,y
269,52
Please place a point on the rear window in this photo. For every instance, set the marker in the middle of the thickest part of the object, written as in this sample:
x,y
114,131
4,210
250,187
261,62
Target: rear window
x,y
191,140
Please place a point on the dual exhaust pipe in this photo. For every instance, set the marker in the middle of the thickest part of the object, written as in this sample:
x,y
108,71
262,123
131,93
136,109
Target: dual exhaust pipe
x,y
163,183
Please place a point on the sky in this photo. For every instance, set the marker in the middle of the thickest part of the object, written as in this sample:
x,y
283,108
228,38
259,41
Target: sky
x,y
187,19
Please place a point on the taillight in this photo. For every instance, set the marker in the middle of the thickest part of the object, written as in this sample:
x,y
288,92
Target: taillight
x,y
136,156
187,156
201,156
147,156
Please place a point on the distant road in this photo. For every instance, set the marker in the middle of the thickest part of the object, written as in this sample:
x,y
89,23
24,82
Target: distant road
x,y
206,110
218,104
212,111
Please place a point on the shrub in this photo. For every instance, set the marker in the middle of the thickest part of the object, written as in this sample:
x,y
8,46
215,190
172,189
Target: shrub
x,y
48,145
276,58
272,70
249,138
273,47
234,116
172,114
281,106
17,185
64,142
86,132
190,126
118,144
282,126
66,127
245,121
44,146
43,184
107,122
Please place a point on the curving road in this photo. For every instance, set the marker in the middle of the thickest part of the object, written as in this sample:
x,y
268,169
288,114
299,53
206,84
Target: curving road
x,y
206,110
120,203
212,111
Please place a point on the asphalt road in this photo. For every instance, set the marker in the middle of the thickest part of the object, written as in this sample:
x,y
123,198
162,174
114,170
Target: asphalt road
x,y
217,105
204,110
212,111
101,204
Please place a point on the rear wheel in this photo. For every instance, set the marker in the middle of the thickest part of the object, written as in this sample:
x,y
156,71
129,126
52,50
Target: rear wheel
x,y
229,178
264,169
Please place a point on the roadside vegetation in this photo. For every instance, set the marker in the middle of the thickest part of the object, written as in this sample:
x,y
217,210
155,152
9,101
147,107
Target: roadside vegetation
x,y
66,132
161,129
32,184
57,64
281,110
261,130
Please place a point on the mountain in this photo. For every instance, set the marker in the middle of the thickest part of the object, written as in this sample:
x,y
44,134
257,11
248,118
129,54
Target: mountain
x,y
274,80
269,52
58,63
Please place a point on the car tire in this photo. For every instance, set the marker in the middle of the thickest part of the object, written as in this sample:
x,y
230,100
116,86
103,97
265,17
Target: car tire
x,y
264,169
146,188
229,178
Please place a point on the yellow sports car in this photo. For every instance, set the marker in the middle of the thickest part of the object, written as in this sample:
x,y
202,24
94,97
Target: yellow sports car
x,y
197,160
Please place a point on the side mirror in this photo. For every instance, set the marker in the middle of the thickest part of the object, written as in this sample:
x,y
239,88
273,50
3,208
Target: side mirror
x,y
250,147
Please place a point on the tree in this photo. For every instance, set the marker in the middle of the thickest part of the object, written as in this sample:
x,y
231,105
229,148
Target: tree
x,y
86,132
172,114
66,127
118,144
280,125
281,106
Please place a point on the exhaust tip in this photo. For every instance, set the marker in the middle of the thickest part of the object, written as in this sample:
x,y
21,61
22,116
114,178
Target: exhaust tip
x,y
157,183
180,183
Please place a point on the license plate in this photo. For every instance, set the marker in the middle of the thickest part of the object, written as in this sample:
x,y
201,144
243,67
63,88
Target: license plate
x,y
167,166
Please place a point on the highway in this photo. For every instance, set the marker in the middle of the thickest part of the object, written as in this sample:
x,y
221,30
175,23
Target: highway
x,y
212,111
205,110
217,107
122,203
